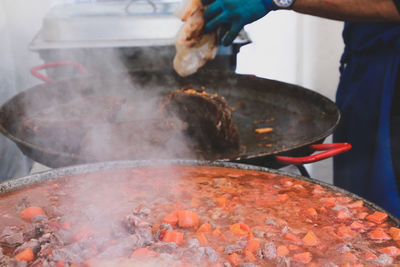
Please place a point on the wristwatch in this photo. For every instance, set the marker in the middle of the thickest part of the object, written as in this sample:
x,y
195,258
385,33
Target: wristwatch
x,y
284,4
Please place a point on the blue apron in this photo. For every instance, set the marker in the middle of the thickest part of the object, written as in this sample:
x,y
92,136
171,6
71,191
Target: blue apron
x,y
370,66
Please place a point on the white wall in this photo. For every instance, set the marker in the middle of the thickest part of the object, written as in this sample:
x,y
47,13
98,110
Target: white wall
x,y
298,49
19,22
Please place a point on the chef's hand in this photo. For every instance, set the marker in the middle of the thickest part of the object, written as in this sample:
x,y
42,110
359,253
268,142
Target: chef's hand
x,y
232,15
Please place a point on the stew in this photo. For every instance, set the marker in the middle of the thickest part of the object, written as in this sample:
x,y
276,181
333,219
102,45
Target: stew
x,y
191,216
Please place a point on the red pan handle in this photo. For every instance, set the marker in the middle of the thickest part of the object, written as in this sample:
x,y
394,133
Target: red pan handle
x,y
44,78
330,150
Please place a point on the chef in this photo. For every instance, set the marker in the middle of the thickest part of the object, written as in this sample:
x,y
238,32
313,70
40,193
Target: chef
x,y
369,90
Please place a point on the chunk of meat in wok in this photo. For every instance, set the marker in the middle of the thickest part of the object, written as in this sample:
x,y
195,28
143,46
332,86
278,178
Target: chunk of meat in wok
x,y
208,116
193,49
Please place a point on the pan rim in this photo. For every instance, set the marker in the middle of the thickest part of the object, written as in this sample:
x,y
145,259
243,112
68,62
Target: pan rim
x,y
54,174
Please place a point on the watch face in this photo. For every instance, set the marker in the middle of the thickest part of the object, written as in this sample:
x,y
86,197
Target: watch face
x,y
283,3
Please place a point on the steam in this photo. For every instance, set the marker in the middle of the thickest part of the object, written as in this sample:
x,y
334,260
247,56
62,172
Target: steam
x,y
104,210
128,124
114,117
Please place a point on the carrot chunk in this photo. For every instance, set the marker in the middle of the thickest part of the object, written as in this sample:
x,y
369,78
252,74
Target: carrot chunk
x,y
318,190
249,255
283,197
205,228
293,238
304,257
171,218
31,212
377,217
362,215
202,239
293,247
345,232
343,215
311,212
343,199
143,253
240,228
395,233
252,245
369,255
349,257
310,239
329,202
173,236
391,251
234,259
187,218
357,225
286,182
26,255
60,263
356,204
221,201
282,251
379,234
217,232
264,130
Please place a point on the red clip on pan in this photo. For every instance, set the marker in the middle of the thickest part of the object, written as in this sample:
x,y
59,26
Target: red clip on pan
x,y
330,151
44,78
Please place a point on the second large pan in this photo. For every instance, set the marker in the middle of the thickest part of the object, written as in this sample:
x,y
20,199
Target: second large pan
x,y
299,117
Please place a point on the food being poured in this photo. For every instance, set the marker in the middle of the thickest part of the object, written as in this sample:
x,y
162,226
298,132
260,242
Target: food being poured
x,y
193,49
191,216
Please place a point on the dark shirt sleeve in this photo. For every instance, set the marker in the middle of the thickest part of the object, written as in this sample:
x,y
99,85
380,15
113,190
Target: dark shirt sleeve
x,y
397,4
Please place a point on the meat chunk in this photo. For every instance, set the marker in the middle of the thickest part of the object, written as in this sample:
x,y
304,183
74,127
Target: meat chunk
x,y
209,118
66,254
7,261
193,48
267,251
136,225
11,237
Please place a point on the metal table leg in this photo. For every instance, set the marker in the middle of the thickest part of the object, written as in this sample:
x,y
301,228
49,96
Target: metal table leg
x,y
303,170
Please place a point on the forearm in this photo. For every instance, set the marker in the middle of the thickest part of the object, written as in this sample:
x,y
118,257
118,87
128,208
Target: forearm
x,y
350,10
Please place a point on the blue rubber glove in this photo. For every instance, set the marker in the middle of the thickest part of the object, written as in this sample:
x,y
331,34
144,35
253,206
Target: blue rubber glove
x,y
232,15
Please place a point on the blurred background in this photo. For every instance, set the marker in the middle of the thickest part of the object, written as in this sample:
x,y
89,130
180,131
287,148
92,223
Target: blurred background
x,y
284,46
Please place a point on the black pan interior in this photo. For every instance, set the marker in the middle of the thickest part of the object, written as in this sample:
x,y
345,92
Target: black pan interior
x,y
298,116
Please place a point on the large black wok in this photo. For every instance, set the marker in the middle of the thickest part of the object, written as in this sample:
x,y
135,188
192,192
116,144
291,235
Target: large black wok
x,y
299,117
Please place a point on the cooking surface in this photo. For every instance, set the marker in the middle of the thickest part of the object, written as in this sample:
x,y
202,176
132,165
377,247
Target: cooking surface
x,y
298,116
280,212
